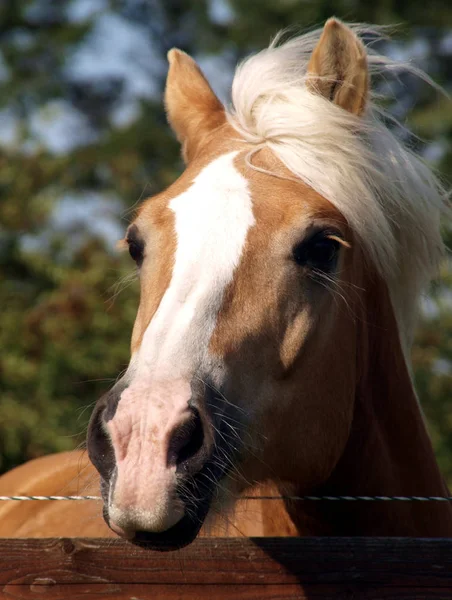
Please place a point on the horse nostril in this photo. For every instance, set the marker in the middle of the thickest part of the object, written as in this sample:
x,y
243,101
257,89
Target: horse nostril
x,y
99,447
186,443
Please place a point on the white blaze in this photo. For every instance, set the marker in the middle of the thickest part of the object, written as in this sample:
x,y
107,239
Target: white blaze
x,y
212,219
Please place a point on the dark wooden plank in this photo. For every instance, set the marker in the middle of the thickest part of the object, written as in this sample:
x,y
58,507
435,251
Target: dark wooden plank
x,y
130,591
354,567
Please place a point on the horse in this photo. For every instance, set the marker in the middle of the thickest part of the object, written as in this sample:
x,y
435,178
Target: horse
x,y
72,474
280,278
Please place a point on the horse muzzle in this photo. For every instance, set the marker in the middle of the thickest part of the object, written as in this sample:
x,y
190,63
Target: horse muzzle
x,y
156,451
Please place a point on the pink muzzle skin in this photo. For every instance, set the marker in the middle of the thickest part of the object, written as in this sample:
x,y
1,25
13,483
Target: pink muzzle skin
x,y
148,417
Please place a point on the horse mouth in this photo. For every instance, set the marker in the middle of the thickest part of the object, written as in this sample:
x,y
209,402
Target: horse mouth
x,y
179,535
196,493
197,497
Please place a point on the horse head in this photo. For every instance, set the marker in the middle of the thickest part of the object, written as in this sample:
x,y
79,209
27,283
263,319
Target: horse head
x,y
297,208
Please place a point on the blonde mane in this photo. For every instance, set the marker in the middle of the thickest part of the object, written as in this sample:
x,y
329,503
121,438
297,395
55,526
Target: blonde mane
x,y
391,199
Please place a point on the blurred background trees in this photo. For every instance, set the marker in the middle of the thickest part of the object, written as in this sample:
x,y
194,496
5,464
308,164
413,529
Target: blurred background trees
x,y
83,138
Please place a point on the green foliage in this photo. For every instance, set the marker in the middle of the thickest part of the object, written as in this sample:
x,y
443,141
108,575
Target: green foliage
x,y
432,360
61,338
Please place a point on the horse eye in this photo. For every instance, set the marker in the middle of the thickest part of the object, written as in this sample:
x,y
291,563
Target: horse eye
x,y
136,251
320,252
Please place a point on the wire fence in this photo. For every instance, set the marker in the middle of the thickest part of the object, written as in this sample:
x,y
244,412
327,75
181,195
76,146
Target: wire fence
x,y
292,498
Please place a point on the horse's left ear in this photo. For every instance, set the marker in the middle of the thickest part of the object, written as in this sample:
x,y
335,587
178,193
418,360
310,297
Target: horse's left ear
x,y
338,69
192,108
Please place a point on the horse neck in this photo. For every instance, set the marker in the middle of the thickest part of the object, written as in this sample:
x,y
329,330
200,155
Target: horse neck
x,y
388,451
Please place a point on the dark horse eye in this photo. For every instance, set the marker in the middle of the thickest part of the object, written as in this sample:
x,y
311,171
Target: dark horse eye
x,y
136,251
319,252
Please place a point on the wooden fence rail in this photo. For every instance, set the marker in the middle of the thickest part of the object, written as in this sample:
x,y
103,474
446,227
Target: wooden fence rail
x,y
220,569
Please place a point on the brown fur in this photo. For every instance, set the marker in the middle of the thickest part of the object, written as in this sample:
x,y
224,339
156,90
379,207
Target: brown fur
x,y
338,68
388,451
192,108
156,224
268,284
67,473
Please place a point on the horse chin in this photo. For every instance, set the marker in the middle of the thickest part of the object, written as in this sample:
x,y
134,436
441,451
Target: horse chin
x,y
183,533
179,535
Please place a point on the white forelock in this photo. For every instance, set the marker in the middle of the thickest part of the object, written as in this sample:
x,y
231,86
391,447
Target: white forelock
x,y
390,198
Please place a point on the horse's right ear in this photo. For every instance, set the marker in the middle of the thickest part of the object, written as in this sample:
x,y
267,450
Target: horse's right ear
x,y
192,108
